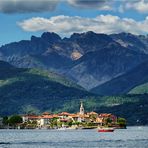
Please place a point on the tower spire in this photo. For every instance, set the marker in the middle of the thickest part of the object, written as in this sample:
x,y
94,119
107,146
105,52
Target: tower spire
x,y
81,108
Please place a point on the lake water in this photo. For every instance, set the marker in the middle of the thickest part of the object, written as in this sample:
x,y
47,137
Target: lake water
x,y
132,137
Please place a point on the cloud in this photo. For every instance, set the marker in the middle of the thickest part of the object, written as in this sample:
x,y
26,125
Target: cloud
x,y
98,4
138,5
27,6
66,25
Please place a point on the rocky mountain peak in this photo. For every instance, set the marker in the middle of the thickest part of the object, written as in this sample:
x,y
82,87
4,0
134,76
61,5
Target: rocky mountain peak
x,y
89,34
34,38
50,36
84,57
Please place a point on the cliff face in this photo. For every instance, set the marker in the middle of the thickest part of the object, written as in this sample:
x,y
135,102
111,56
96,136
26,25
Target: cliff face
x,y
89,59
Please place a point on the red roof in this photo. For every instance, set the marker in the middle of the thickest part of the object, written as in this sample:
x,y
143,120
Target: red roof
x,y
92,113
105,115
46,117
33,117
64,113
39,117
73,115
46,113
64,120
55,116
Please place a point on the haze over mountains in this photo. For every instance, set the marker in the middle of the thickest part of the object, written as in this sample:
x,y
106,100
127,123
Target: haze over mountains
x,y
89,59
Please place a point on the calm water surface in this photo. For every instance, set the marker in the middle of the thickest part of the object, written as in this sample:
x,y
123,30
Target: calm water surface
x,y
132,137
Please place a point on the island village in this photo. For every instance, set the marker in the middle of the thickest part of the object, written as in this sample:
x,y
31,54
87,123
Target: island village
x,y
80,120
64,120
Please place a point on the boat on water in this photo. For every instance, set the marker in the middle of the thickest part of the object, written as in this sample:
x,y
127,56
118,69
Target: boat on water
x,y
106,129
64,127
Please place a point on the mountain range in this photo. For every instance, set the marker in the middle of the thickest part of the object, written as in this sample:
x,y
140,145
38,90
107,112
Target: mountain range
x,y
50,73
29,91
89,59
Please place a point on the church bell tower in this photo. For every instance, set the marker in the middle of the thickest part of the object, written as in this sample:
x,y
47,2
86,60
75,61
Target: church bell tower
x,y
81,109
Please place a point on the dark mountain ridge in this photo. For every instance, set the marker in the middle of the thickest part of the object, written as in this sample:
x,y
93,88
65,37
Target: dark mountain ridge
x,y
83,57
115,63
134,42
126,82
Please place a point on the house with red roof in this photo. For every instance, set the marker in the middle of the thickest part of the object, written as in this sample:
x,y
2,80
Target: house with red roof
x,y
46,119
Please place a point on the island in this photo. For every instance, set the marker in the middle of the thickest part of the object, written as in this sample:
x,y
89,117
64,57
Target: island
x,y
64,120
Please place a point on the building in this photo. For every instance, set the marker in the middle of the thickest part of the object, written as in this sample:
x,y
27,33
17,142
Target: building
x,y
48,120
45,120
102,118
81,114
81,109
30,118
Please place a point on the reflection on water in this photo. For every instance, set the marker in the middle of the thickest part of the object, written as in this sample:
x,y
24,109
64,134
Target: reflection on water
x,y
132,137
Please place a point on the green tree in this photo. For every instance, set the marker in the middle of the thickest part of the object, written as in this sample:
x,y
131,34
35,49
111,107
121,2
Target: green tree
x,y
53,123
90,124
77,123
69,123
108,121
14,120
5,120
121,122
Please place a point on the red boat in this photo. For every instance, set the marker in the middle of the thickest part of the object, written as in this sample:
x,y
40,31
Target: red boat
x,y
105,129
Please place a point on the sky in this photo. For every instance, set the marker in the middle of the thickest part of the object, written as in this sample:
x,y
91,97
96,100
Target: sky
x,y
20,19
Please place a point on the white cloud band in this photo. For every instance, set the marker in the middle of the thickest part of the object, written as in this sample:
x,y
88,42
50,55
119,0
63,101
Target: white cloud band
x,y
66,25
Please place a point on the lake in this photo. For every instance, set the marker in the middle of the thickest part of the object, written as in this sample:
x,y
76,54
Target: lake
x,y
132,137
